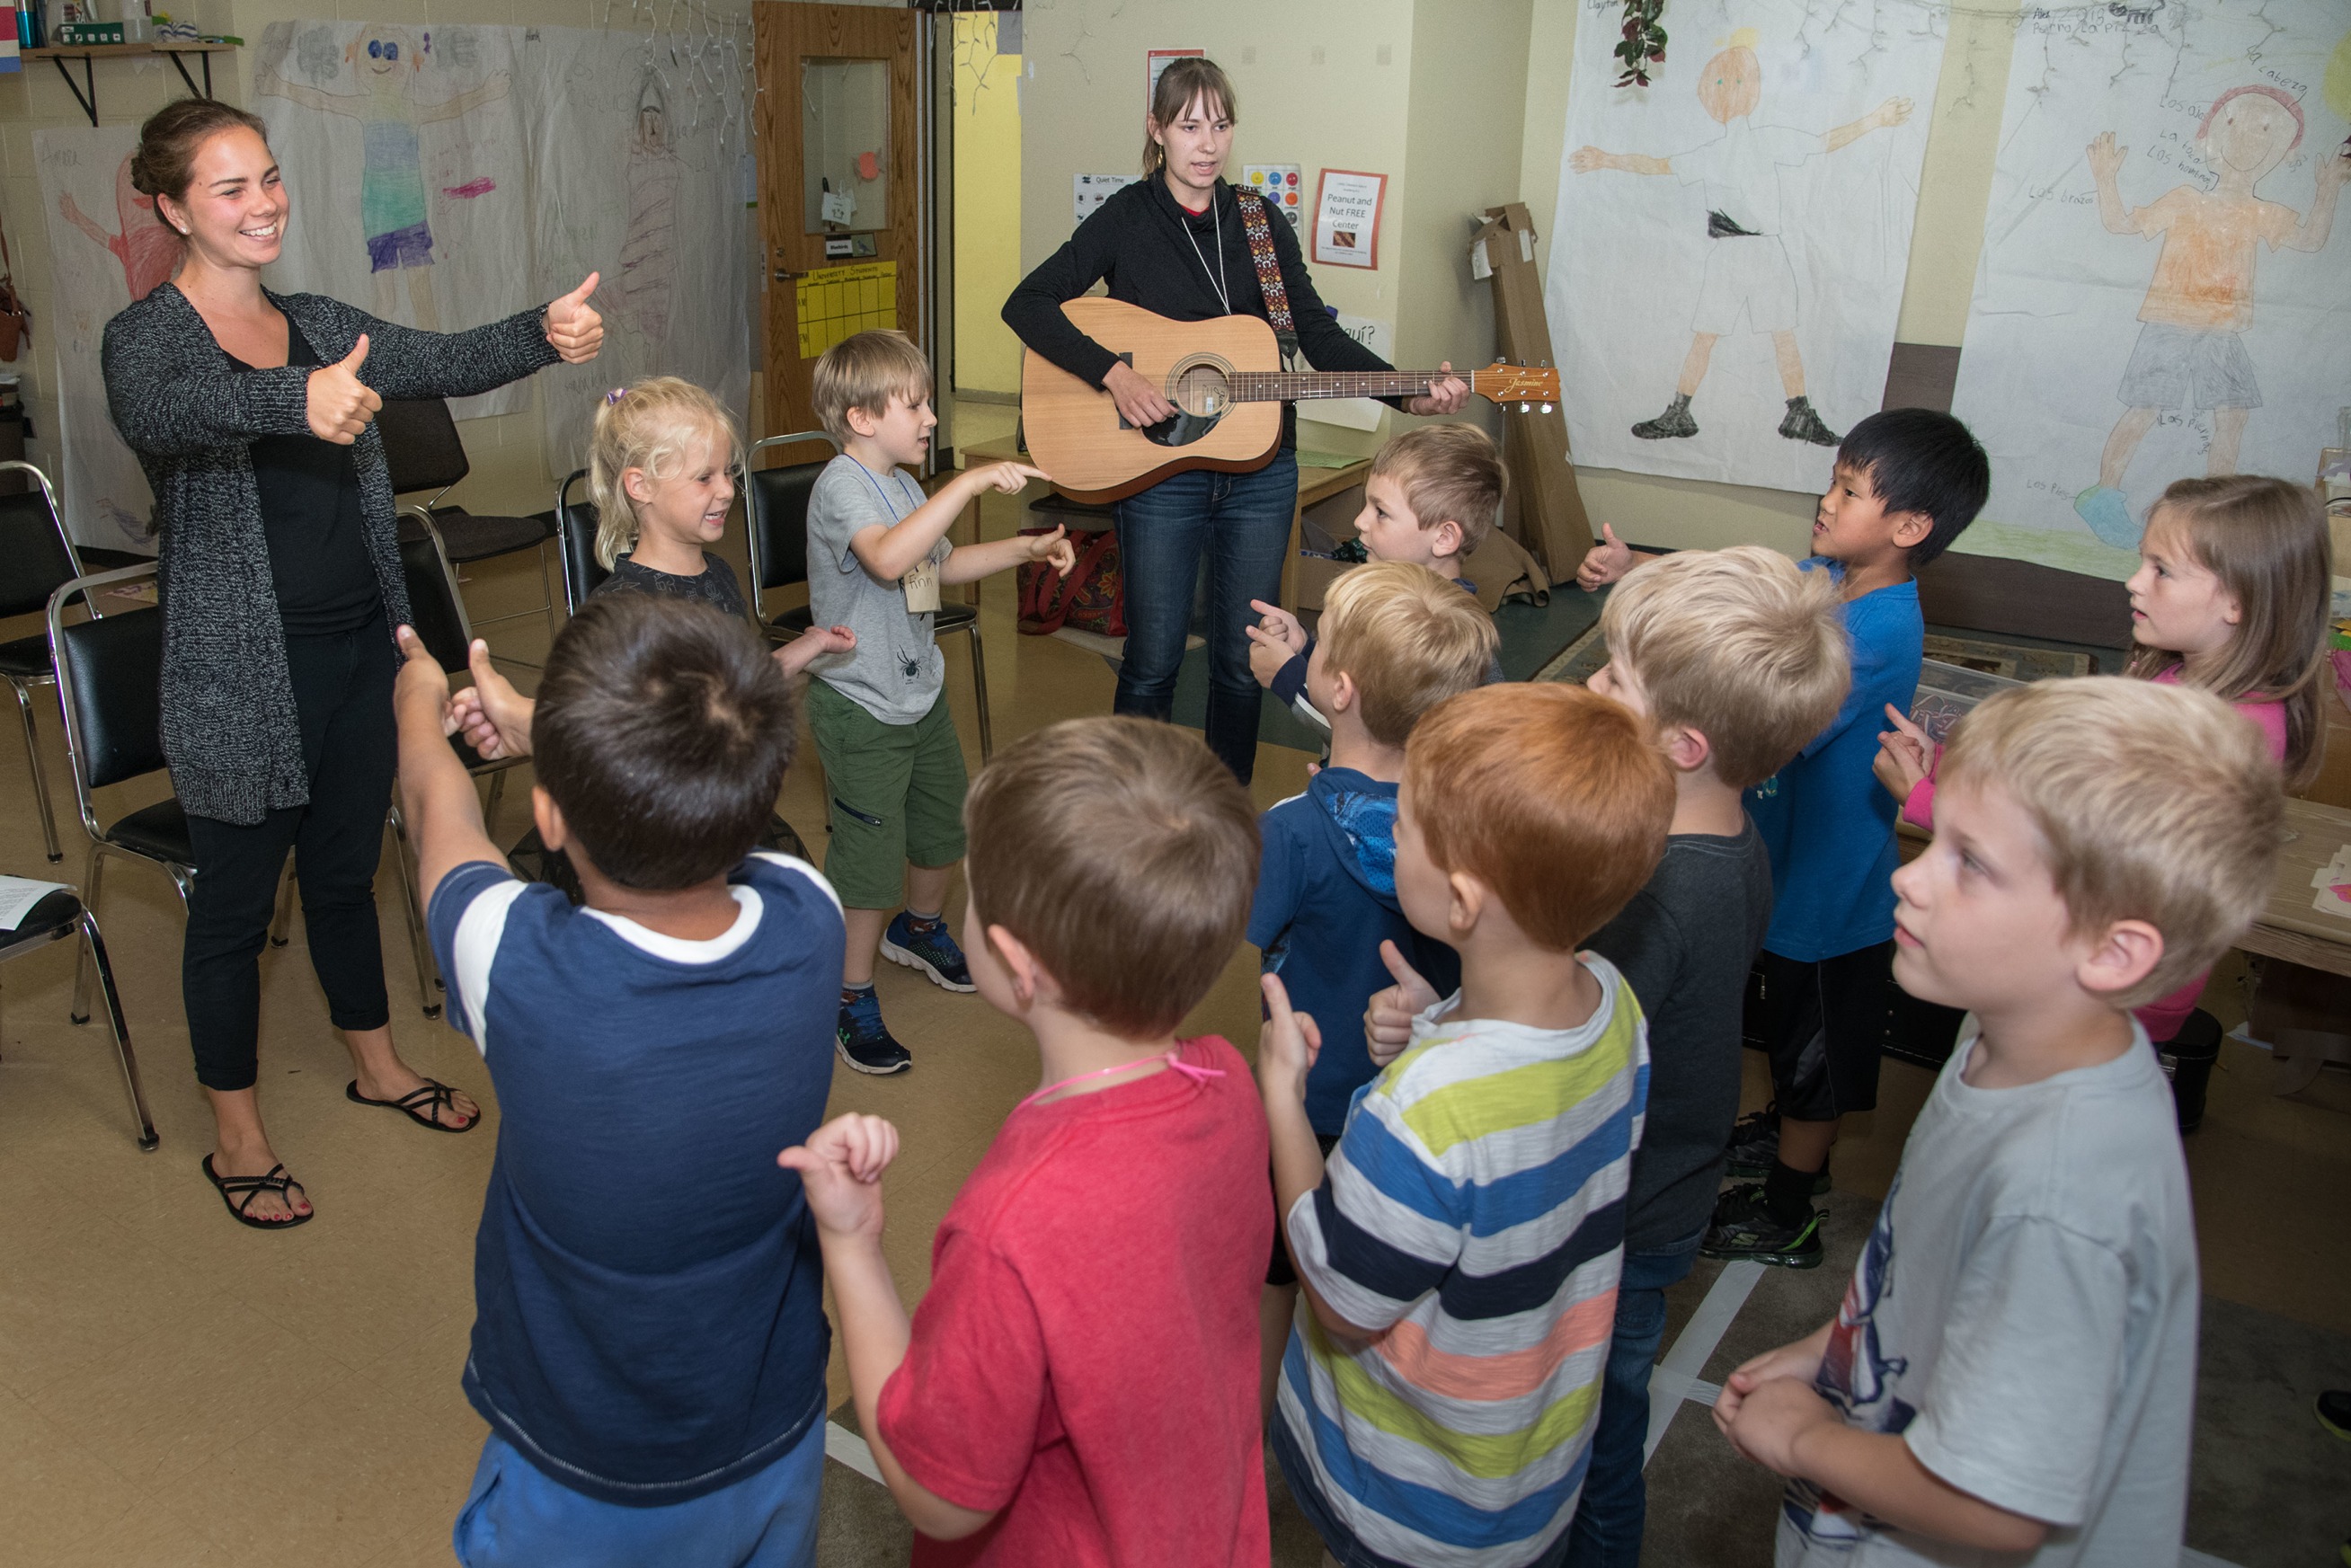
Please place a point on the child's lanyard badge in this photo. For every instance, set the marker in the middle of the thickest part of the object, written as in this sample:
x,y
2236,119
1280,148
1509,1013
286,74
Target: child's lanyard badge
x,y
921,584
1174,1060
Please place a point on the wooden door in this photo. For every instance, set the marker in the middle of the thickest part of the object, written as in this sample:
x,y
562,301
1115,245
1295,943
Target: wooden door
x,y
838,174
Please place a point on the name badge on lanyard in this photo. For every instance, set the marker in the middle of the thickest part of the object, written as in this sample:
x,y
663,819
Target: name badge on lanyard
x,y
922,588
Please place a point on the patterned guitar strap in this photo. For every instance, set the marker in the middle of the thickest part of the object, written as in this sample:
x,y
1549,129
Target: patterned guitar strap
x,y
1259,229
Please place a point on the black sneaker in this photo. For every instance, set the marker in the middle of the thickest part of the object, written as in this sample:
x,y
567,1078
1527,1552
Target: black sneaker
x,y
1675,421
1755,1145
865,1040
2334,1408
1804,424
1743,1227
934,952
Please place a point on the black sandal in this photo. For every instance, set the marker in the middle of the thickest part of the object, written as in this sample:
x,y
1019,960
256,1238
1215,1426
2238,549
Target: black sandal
x,y
421,1106
251,1188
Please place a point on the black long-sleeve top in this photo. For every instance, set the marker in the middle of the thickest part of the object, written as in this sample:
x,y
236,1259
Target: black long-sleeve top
x,y
1145,244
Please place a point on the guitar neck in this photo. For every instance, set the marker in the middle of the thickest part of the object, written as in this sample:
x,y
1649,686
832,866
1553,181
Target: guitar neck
x,y
1295,386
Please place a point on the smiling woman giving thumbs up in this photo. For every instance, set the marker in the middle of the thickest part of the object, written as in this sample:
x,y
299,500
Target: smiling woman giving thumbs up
x,y
253,416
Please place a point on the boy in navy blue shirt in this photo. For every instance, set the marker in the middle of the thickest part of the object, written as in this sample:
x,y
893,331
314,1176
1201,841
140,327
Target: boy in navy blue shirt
x,y
1906,482
1396,640
649,1338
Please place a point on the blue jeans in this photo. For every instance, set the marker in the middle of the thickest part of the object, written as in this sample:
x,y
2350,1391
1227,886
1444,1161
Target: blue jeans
x,y
1616,1502
1241,521
516,1517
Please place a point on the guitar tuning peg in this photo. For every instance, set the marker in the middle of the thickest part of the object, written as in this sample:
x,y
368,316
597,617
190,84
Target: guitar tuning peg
x,y
1546,408
1523,409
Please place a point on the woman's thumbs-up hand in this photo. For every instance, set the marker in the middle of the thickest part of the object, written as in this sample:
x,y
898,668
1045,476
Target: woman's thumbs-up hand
x,y
340,403
573,326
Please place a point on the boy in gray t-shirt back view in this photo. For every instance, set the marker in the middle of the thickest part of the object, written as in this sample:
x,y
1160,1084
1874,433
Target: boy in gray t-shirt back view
x,y
878,555
2014,1370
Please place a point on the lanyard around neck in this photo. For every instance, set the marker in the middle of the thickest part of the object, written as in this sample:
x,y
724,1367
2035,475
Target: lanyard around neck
x,y
1174,1060
1216,279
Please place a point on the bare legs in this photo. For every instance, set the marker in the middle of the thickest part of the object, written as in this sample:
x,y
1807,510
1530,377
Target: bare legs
x,y
1694,363
1792,363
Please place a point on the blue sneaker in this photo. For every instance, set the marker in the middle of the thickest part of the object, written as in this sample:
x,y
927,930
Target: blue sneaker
x,y
865,1040
934,952
2108,515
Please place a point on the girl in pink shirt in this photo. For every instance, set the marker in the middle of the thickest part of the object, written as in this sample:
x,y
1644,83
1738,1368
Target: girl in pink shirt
x,y
2231,595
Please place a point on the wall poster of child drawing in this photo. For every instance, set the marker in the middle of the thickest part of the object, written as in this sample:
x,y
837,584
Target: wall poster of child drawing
x,y
1733,239
2162,286
408,139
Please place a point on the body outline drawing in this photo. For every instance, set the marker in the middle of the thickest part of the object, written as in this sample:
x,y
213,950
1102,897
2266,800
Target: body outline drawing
x,y
643,293
1748,275
395,209
2191,354
146,247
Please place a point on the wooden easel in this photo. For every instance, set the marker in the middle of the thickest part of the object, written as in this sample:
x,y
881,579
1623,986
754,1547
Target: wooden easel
x,y
1547,513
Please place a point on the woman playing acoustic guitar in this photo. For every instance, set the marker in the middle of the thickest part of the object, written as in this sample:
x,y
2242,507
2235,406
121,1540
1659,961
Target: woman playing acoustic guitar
x,y
1175,244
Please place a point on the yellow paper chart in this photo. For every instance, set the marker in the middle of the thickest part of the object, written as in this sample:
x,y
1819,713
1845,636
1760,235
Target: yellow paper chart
x,y
837,302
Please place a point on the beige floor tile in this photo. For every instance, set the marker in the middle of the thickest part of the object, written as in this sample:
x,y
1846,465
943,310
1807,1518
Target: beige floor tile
x,y
148,1535
156,1408
365,1473
54,1492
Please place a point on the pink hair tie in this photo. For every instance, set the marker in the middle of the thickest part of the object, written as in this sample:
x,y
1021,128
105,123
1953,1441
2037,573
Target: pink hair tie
x,y
615,395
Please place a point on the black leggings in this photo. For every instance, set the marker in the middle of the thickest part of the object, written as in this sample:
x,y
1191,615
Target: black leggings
x,y
343,690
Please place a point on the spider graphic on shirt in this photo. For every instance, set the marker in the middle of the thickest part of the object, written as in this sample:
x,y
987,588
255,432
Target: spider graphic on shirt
x,y
911,666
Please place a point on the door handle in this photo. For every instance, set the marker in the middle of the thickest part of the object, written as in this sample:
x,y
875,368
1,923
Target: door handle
x,y
783,275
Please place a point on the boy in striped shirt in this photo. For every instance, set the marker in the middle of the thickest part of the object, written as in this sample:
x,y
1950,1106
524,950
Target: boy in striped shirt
x,y
1459,1254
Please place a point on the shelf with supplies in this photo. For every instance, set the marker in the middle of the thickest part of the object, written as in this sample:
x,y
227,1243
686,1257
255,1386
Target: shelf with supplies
x,y
85,92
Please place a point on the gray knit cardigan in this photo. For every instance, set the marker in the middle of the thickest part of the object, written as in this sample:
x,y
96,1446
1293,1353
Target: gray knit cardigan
x,y
230,730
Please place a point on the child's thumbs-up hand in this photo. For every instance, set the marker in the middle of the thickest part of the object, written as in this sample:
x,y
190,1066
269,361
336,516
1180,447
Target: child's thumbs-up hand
x,y
1604,562
340,405
840,1170
1387,1020
574,327
1286,1046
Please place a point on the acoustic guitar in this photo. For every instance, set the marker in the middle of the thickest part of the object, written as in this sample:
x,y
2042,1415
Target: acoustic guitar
x,y
1224,377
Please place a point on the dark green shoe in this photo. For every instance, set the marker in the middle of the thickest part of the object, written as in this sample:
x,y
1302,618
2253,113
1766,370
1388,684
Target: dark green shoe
x,y
1743,1227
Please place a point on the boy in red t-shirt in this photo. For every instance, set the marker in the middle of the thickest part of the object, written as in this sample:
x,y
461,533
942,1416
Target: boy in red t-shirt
x,y
1080,1386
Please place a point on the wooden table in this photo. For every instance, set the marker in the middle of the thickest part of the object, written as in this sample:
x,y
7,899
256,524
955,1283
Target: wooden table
x,y
2294,1012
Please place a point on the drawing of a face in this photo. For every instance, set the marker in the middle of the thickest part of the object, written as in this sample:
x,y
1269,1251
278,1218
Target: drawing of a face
x,y
385,57
1731,85
653,117
2251,133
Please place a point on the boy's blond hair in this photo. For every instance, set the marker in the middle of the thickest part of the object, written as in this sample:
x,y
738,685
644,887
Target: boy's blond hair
x,y
1124,856
865,373
1737,644
1550,794
658,425
1449,472
1408,638
2152,802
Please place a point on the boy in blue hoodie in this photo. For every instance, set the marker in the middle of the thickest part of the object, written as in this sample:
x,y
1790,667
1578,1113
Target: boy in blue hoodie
x,y
1396,640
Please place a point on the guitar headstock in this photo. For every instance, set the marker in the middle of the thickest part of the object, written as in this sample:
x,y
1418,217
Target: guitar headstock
x,y
1526,385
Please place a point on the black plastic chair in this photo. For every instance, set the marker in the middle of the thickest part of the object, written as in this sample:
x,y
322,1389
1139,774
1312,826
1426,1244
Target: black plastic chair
x,y
575,539
60,917
109,674
36,556
422,451
776,504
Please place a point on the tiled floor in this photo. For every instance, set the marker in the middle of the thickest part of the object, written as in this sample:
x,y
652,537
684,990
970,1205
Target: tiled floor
x,y
177,1390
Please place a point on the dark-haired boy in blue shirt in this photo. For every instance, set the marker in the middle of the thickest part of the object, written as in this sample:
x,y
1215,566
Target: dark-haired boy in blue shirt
x,y
649,1337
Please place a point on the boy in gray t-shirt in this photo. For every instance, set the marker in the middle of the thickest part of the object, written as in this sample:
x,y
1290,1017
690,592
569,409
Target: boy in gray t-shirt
x,y
878,555
2014,1370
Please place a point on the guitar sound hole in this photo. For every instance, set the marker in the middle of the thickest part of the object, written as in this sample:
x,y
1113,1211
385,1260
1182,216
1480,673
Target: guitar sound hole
x,y
1201,390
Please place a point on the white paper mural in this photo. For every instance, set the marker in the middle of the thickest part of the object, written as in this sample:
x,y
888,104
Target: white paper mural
x,y
635,174
403,150
1733,239
2161,291
106,249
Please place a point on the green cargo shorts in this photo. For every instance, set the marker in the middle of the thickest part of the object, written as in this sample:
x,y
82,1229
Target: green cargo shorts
x,y
898,795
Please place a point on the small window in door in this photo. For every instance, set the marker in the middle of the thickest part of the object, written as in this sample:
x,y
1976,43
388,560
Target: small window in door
x,y
845,145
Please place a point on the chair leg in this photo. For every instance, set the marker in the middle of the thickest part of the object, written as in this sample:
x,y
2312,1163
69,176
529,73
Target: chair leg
x,y
90,891
979,694
40,780
283,921
428,980
95,946
547,586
